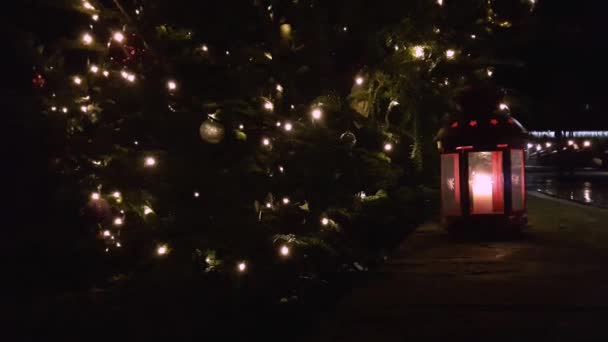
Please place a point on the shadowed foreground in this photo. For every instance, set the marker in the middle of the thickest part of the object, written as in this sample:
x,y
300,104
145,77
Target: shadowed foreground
x,y
550,284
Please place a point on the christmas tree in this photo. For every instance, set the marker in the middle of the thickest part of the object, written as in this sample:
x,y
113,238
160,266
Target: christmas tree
x,y
267,143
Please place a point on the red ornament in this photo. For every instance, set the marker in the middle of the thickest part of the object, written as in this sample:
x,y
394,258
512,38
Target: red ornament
x,y
38,81
511,121
494,122
473,123
455,124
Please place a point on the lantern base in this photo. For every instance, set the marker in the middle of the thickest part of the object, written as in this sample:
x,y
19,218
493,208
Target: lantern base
x,y
487,224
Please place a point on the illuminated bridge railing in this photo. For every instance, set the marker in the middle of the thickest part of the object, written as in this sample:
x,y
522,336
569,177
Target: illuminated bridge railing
x,y
573,134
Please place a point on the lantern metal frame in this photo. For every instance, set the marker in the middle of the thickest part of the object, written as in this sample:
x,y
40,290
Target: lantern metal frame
x,y
497,132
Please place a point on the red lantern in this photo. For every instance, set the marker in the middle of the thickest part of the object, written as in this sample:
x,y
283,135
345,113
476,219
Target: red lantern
x,y
482,172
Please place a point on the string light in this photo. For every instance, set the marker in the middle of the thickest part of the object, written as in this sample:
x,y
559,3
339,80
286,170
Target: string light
x,y
266,142
131,78
359,80
64,109
317,114
94,69
205,48
162,250
83,109
418,51
279,88
503,106
88,5
77,80
288,126
171,85
440,2
87,39
118,244
106,233
124,74
450,54
242,266
150,161
587,143
269,106
106,73
95,17
53,109
268,55
325,221
490,72
197,194
548,144
118,221
241,127
281,169
147,210
570,142
116,194
268,205
388,147
531,145
118,37
278,123
345,29
285,200
95,196
284,250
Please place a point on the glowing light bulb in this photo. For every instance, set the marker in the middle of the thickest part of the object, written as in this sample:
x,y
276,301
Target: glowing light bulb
x,y
450,54
94,69
279,124
171,85
116,194
118,244
87,39
131,78
530,145
161,250
440,2
64,109
284,250
538,147
362,195
587,143
359,80
268,205
242,266
118,37
95,196
288,126
281,169
490,72
285,200
503,106
118,221
95,17
269,106
268,55
54,109
388,147
317,114
147,210
124,74
106,233
418,51
241,127
106,73
345,29
570,142
279,88
87,5
266,142
197,194
205,48
325,221
77,80
548,144
83,109
473,36
150,161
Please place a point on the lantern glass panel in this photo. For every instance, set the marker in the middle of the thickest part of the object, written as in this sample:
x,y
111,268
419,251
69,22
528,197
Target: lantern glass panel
x,y
450,185
486,188
518,186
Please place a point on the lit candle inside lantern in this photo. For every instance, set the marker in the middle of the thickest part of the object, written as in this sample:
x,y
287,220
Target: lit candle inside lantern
x,y
482,193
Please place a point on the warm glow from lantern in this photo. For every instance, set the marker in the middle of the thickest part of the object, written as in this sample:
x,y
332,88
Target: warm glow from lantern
x,y
482,193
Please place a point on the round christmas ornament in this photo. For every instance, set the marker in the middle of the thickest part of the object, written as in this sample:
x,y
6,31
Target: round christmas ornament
x,y
212,131
348,138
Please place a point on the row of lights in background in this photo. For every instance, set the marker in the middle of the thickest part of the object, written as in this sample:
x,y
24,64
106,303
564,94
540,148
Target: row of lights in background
x,y
548,145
